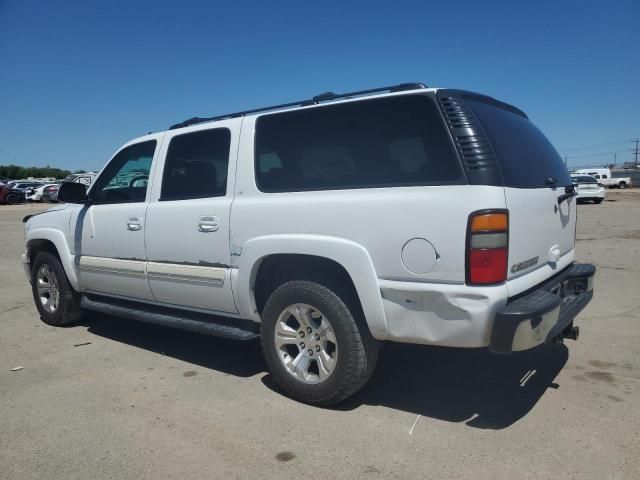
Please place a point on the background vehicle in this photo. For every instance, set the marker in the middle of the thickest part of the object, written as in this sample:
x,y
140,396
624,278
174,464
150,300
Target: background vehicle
x,y
24,186
603,175
50,193
10,196
84,178
324,226
588,188
36,194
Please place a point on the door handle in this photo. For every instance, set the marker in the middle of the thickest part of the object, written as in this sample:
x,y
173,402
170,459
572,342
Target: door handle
x,y
208,223
133,224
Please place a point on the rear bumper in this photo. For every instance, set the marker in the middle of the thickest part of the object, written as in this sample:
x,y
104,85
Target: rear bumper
x,y
543,313
591,194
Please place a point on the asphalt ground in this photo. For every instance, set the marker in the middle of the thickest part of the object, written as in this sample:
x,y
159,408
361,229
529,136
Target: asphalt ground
x,y
112,398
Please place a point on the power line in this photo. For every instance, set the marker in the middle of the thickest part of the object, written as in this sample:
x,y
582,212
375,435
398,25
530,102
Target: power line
x,y
590,155
595,146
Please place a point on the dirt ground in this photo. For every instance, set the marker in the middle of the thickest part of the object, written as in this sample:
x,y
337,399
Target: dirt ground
x,y
112,398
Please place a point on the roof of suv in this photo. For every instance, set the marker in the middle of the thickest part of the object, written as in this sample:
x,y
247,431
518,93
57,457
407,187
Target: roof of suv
x,y
332,98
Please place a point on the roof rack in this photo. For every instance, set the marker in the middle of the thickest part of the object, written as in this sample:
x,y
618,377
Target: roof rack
x,y
323,97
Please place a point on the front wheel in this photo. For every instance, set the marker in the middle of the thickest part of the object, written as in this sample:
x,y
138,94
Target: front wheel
x,y
318,349
599,200
56,300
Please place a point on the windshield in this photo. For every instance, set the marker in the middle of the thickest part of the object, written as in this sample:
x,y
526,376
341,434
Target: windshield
x,y
526,158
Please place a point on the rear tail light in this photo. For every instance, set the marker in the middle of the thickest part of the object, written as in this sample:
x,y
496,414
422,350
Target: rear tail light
x,y
487,247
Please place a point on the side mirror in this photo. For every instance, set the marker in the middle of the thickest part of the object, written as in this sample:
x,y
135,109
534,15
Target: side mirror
x,y
72,192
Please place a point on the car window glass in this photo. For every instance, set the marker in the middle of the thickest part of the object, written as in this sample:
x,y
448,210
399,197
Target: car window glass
x,y
392,141
197,165
126,178
526,157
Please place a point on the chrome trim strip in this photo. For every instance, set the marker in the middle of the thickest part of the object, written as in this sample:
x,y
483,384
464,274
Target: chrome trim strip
x,y
190,273
115,266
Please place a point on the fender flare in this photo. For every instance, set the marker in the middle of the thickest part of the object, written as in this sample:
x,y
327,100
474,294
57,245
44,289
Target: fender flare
x,y
353,257
60,242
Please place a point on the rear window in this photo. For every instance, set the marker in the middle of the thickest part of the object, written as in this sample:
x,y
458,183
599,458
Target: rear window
x,y
584,179
397,141
526,158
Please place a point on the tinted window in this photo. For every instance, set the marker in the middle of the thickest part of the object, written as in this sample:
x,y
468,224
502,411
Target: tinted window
x,y
525,156
197,165
584,179
398,141
126,178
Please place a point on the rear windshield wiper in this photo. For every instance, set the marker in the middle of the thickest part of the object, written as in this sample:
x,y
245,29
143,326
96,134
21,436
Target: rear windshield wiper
x,y
569,192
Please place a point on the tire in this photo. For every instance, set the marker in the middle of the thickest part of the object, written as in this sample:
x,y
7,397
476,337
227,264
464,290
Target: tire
x,y
12,199
622,185
56,300
599,200
351,356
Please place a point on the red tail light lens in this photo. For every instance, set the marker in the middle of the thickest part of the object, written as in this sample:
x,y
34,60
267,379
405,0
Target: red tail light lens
x,y
487,247
488,266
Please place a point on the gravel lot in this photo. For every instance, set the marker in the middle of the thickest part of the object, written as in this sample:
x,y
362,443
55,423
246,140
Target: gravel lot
x,y
112,398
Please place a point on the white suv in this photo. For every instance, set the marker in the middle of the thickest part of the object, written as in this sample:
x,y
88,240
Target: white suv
x,y
405,214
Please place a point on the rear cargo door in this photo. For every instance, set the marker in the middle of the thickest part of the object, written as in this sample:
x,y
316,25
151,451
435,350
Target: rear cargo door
x,y
541,228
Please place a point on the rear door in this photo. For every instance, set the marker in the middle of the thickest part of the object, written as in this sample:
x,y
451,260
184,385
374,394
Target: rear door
x,y
187,229
541,228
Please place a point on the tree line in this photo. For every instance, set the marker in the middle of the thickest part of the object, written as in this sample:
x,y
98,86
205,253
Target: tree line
x,y
16,172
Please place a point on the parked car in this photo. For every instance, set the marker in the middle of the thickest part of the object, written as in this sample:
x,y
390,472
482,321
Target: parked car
x,y
10,196
37,194
24,186
84,178
588,188
603,175
404,214
50,193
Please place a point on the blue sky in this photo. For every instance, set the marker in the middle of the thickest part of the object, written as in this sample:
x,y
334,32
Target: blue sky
x,y
79,78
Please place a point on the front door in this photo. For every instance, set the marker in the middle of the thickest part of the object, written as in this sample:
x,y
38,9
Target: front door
x,y
108,233
187,233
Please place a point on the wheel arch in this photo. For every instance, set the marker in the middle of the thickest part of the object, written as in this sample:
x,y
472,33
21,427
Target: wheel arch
x,y
53,241
346,257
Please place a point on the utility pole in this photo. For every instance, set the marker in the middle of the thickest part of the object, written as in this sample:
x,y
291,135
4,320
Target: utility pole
x,y
635,162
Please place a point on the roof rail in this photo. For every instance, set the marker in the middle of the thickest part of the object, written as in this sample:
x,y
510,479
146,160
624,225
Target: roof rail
x,y
323,97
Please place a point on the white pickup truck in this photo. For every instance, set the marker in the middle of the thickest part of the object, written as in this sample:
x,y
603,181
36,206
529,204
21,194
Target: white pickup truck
x,y
403,214
603,175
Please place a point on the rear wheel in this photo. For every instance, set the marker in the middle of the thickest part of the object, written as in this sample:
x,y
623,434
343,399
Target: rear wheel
x,y
12,199
622,184
599,200
57,302
318,349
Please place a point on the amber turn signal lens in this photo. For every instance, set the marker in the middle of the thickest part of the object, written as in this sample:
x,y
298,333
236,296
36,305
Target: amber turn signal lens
x,y
489,222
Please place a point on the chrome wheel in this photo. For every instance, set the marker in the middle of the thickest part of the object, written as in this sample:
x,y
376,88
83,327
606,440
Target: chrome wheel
x,y
306,343
48,291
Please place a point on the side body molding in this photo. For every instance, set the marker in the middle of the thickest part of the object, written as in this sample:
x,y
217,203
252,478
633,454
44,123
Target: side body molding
x,y
352,256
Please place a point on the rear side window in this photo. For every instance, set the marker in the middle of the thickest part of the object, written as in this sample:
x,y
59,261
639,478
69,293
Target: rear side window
x,y
526,158
197,165
394,141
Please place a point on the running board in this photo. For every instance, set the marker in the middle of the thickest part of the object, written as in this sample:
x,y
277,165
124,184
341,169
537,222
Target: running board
x,y
233,328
